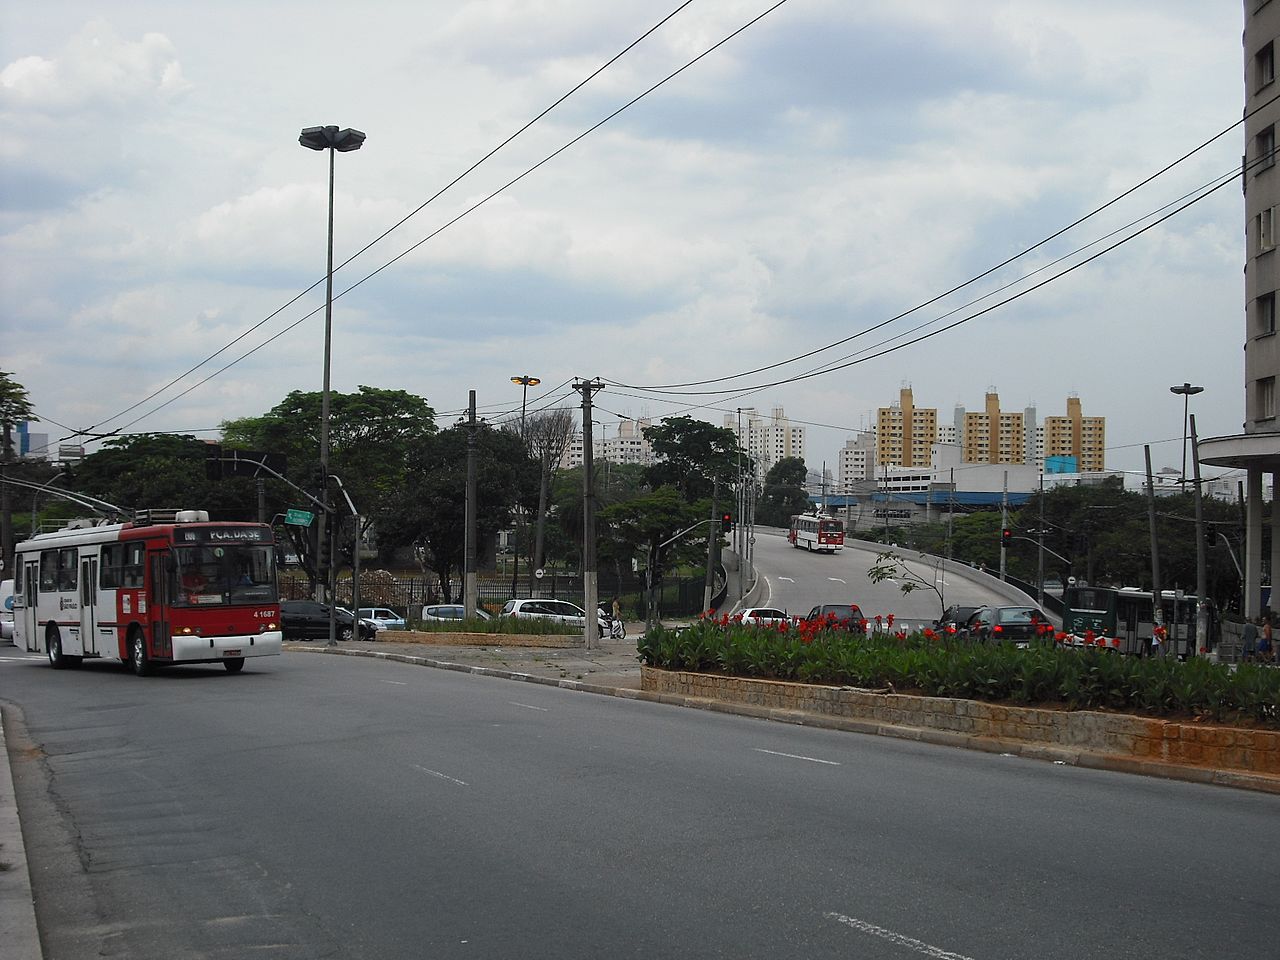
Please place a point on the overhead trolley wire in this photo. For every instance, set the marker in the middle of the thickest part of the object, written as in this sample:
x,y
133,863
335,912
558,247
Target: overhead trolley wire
x,y
382,236
972,280
449,223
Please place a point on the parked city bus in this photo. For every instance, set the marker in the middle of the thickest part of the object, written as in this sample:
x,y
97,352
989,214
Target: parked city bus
x,y
168,588
1123,618
816,531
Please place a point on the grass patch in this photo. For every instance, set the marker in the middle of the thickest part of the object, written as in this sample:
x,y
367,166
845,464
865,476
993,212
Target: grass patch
x,y
516,625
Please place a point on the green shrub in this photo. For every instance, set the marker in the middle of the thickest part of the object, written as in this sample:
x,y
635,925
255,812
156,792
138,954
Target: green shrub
x,y
1093,678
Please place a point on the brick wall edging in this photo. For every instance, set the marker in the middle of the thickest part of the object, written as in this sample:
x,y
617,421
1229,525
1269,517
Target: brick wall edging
x,y
442,639
1144,738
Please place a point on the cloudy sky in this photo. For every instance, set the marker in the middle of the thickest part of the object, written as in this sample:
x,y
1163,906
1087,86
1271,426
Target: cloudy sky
x,y
834,165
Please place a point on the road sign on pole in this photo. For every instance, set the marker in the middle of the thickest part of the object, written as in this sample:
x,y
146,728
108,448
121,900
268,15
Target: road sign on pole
x,y
299,518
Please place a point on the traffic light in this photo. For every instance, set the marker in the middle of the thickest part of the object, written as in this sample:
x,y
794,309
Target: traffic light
x,y
1006,535
322,551
726,522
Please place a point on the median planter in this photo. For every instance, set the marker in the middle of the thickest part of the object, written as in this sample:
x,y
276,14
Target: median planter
x,y
1062,733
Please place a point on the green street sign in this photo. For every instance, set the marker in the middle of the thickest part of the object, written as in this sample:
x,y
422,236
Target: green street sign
x,y
299,518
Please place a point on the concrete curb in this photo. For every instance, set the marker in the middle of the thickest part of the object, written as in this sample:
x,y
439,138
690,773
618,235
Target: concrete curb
x,y
18,930
945,738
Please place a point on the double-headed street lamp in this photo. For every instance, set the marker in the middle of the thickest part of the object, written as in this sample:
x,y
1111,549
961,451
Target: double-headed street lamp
x,y
1187,391
525,381
335,141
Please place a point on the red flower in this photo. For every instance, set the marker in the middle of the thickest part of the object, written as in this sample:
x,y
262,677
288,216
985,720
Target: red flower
x,y
890,619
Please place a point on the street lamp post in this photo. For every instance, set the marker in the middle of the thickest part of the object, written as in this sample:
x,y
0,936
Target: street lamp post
x,y
1187,391
335,141
526,382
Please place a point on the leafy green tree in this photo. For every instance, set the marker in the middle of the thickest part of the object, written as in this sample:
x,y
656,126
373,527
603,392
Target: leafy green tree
x,y
643,523
693,457
161,471
371,433
430,510
15,406
784,495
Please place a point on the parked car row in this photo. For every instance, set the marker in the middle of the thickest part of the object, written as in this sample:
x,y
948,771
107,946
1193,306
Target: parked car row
x,y
309,620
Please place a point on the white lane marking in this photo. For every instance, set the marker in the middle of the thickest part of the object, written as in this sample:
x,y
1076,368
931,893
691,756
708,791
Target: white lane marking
x,y
918,946
796,756
20,659
837,580
528,706
437,773
398,683
786,579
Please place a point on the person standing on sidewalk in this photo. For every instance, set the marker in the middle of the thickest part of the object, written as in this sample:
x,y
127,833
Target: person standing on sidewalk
x,y
1248,641
1267,646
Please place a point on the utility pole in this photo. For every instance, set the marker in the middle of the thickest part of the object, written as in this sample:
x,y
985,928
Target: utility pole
x,y
1004,521
591,597
713,537
1040,545
1157,614
469,591
1202,573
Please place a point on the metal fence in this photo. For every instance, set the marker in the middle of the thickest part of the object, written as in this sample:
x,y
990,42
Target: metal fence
x,y
678,596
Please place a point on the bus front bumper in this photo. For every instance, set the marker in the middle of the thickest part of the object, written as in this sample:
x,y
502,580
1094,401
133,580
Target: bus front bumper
x,y
193,648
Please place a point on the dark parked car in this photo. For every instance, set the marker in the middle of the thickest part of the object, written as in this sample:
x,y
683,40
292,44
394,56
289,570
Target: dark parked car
x,y
955,617
1016,625
309,620
841,616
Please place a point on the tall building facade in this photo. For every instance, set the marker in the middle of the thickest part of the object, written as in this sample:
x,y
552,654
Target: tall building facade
x,y
767,441
905,433
994,436
1075,435
1257,449
857,461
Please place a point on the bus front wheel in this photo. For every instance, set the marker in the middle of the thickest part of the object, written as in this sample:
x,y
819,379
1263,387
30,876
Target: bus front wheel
x,y
138,659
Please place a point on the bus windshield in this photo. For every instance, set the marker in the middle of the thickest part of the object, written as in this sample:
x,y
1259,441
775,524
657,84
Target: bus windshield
x,y
220,574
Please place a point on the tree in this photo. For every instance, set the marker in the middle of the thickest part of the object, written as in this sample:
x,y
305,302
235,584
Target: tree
x,y
645,522
547,434
371,433
783,496
161,470
15,406
693,456
430,510
892,566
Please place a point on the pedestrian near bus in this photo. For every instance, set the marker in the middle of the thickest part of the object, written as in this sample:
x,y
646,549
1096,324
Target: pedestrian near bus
x,y
1266,646
1249,641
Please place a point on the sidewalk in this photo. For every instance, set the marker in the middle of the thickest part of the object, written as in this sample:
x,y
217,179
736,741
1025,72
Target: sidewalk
x,y
611,666
18,930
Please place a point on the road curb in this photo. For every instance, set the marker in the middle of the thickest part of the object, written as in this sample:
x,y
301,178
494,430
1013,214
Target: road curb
x,y
1114,763
18,930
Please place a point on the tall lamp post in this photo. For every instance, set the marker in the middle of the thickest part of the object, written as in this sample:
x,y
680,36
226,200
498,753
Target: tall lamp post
x,y
526,382
1187,391
335,141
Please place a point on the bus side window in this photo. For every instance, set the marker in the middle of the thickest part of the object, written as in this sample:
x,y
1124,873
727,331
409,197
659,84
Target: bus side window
x,y
48,571
109,572
132,576
67,568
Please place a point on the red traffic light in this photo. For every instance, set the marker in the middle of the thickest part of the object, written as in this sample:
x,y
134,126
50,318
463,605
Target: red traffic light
x,y
726,522
1005,536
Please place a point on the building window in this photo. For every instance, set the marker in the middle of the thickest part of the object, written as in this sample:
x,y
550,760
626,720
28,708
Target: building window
x,y
1266,224
1265,310
1266,148
1267,398
1264,66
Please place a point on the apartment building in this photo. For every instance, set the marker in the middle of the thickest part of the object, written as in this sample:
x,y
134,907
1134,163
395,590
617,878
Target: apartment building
x,y
905,433
767,441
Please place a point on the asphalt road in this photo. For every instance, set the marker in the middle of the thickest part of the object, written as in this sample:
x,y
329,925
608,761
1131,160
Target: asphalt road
x,y
341,807
797,580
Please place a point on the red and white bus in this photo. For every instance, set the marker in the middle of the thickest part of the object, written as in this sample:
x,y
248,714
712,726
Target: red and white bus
x,y
816,531
167,588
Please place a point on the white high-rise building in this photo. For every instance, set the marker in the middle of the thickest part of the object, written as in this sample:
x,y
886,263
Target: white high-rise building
x,y
857,461
767,441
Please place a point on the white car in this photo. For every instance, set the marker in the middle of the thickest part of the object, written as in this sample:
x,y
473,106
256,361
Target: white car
x,y
561,611
450,611
6,610
383,618
765,617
